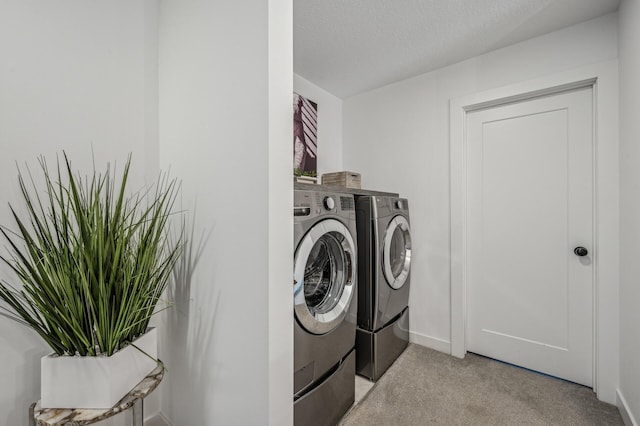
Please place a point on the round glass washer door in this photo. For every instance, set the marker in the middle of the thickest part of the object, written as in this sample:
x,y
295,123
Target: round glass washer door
x,y
324,274
397,252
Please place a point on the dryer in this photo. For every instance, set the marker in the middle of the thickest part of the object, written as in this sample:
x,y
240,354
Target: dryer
x,y
384,273
325,306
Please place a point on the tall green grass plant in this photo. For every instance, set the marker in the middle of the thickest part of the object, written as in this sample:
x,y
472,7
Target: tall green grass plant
x,y
91,259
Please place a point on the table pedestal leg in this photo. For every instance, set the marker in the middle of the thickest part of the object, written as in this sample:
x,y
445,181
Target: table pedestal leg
x,y
32,420
138,412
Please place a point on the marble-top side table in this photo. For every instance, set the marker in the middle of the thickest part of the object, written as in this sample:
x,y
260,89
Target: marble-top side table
x,y
85,416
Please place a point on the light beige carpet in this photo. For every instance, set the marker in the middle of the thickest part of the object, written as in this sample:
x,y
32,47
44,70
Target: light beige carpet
x,y
426,387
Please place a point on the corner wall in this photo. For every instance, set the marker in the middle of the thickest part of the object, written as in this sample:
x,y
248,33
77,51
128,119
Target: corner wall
x,y
71,78
629,39
225,129
398,138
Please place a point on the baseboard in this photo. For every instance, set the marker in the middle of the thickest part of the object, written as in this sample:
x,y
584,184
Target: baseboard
x,y
625,412
430,342
157,419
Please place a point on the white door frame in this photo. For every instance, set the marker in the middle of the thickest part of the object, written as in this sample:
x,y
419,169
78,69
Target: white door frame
x,y
603,78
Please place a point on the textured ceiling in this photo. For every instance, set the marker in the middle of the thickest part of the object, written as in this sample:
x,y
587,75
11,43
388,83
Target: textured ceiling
x,y
350,46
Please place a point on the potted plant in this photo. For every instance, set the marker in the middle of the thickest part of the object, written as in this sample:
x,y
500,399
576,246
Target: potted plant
x,y
91,262
305,176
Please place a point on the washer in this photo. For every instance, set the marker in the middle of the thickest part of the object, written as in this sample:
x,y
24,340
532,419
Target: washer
x,y
384,273
325,306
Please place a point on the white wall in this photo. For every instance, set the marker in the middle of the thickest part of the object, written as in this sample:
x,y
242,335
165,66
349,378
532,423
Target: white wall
x,y
398,138
72,77
629,39
225,128
83,76
329,124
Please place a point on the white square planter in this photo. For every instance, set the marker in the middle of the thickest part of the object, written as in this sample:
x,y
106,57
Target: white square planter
x,y
96,382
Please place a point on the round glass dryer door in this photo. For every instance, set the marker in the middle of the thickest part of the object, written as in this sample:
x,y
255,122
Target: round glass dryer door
x,y
397,252
324,268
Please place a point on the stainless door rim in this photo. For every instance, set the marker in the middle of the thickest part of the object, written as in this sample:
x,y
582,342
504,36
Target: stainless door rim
x,y
402,223
321,323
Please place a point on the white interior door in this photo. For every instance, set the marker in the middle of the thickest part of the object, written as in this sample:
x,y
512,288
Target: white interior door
x,y
530,189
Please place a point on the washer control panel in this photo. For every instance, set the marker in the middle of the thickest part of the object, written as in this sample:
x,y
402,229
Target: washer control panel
x,y
329,203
